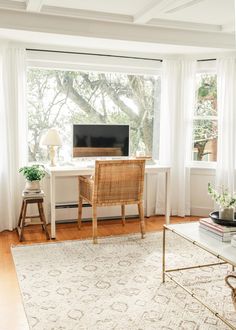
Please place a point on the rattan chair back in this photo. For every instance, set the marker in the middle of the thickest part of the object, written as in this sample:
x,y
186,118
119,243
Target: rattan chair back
x,y
118,182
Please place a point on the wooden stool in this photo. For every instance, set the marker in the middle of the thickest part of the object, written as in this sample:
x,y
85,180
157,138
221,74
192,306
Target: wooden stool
x,y
33,199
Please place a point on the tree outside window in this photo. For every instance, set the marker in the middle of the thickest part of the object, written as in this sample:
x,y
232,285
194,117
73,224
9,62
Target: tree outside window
x,y
205,122
61,98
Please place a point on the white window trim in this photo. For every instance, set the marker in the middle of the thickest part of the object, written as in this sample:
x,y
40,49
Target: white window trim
x,y
204,67
90,62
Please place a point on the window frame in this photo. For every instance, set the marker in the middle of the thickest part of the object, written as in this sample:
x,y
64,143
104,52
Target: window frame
x,y
66,61
207,67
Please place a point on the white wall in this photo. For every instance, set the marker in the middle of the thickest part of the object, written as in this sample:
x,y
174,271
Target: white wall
x,y
201,203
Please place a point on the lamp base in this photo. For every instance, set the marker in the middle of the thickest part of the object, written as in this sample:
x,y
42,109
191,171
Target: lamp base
x,y
52,154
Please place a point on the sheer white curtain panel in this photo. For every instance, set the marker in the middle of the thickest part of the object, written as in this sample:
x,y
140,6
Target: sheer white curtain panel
x,y
177,108
12,133
226,101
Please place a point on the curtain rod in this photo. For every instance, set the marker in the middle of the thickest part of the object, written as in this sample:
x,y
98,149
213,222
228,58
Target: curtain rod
x,y
94,54
106,55
207,59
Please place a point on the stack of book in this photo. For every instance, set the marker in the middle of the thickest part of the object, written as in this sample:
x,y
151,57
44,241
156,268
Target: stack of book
x,y
220,232
33,193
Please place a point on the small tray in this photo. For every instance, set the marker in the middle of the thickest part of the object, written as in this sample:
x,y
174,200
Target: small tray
x,y
215,217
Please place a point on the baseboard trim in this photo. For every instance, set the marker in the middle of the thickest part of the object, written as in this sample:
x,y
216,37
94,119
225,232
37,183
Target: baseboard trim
x,y
200,211
128,217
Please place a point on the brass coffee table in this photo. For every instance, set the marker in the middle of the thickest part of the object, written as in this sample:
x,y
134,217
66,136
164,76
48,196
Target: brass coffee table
x,y
222,250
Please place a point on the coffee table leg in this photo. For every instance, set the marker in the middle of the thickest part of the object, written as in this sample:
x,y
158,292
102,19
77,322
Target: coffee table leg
x,y
164,255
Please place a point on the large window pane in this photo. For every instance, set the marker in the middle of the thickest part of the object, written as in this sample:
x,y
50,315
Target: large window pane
x,y
205,143
61,98
205,128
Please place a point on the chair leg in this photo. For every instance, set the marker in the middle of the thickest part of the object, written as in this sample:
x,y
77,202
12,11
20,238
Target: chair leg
x,y
123,214
43,219
95,240
141,217
80,212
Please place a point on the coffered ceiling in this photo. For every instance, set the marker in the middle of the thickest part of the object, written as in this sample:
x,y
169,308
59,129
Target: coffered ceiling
x,y
204,23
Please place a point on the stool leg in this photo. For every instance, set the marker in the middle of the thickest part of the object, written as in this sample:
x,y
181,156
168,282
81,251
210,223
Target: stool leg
x,y
21,212
42,217
22,223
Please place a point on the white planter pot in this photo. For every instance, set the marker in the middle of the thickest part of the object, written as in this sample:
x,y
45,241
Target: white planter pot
x,y
32,185
226,213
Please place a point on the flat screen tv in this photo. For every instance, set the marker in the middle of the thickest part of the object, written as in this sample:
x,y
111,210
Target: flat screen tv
x,y
100,140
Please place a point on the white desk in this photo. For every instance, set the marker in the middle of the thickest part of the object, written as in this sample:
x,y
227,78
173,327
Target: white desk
x,y
82,168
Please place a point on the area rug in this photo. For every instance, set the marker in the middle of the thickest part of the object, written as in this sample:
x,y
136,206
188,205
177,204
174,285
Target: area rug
x,y
116,284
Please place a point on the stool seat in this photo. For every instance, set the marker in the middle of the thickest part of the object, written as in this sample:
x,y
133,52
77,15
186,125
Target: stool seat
x,y
34,198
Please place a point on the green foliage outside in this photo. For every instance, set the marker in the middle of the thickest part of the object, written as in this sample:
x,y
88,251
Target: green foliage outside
x,y
205,129
62,98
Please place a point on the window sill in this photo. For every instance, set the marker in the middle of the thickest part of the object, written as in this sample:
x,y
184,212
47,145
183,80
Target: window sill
x,y
202,165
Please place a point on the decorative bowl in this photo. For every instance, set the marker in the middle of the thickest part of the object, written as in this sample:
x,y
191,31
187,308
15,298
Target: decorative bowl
x,y
215,217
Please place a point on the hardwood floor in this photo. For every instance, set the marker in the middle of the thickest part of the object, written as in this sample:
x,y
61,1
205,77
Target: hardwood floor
x,y
12,316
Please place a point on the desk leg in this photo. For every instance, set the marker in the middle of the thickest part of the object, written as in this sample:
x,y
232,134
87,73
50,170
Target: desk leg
x,y
167,197
147,211
53,206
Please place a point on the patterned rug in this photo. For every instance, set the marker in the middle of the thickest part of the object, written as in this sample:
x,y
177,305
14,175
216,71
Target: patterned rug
x,y
116,284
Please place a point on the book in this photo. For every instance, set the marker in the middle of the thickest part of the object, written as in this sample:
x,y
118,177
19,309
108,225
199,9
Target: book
x,y
208,222
221,238
226,234
32,193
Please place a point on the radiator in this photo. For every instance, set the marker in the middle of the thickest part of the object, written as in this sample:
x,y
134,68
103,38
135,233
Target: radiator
x,y
69,212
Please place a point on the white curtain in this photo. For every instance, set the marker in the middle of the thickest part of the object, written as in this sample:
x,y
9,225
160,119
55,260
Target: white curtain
x,y
177,105
226,100
13,147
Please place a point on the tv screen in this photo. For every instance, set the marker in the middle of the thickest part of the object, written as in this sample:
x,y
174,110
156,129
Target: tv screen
x,y
100,140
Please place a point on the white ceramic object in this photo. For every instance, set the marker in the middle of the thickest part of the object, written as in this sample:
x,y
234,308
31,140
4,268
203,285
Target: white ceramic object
x,y
233,241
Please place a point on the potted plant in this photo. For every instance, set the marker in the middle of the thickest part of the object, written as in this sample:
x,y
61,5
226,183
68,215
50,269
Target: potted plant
x,y
225,200
33,175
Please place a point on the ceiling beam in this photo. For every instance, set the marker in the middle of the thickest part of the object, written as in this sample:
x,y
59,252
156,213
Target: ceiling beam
x,y
25,21
34,5
186,25
162,7
87,14
182,4
14,5
146,13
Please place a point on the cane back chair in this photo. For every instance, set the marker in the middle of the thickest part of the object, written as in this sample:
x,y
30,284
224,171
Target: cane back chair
x,y
116,182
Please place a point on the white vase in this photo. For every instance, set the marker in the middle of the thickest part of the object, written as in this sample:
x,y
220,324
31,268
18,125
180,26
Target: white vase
x,y
226,213
32,185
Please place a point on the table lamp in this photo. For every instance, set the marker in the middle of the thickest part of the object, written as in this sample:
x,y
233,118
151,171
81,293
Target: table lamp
x,y
52,139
